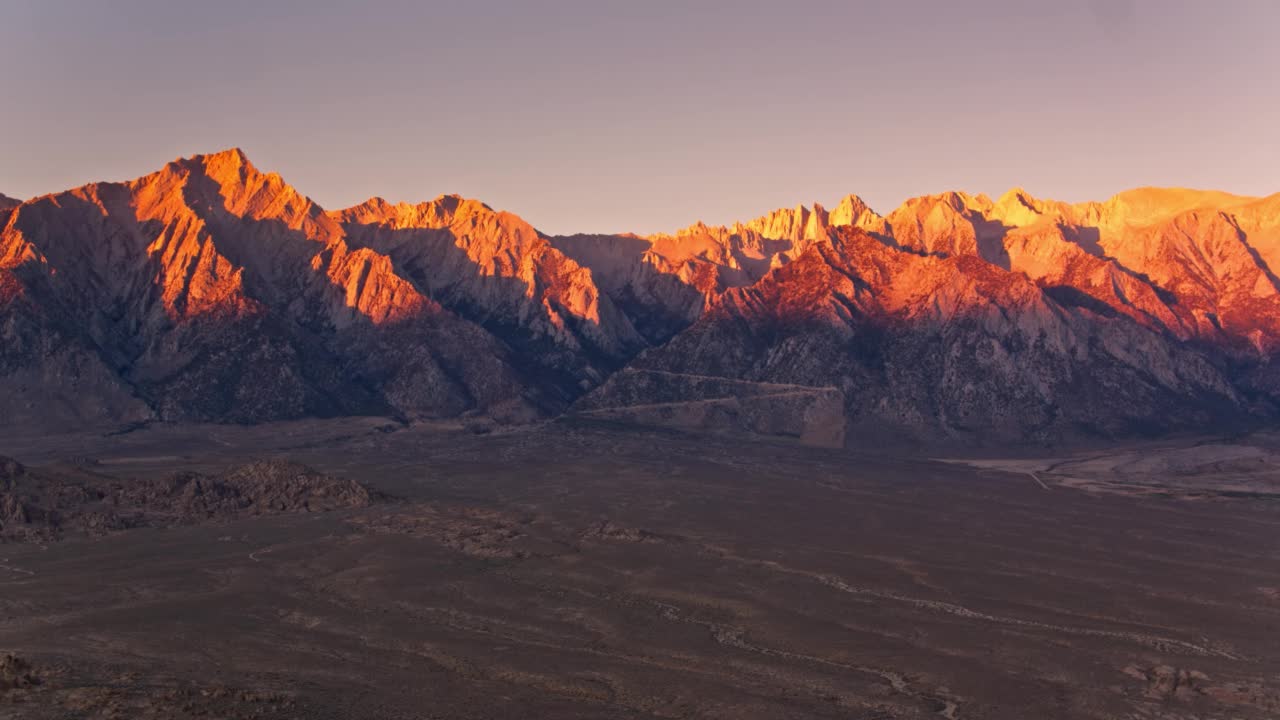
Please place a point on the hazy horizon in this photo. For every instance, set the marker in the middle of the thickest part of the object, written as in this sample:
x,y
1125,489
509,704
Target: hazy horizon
x,y
605,117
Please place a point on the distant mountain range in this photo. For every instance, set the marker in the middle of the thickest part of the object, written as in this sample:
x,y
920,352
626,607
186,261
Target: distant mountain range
x,y
211,291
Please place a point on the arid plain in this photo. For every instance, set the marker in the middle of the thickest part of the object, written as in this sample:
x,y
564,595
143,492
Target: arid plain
x,y
579,569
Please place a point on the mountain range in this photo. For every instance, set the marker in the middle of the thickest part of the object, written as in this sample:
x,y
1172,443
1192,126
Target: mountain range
x,y
212,291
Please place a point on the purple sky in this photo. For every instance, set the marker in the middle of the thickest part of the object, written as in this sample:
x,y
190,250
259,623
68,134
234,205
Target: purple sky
x,y
595,115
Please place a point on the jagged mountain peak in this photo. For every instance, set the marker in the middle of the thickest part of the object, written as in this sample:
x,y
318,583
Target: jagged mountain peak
x,y
227,187
227,168
437,213
232,158
798,224
1019,208
852,204
233,154
1017,197
854,211
955,200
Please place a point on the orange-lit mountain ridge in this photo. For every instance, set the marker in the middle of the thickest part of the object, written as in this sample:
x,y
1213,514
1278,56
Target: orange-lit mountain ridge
x,y
210,290
1014,318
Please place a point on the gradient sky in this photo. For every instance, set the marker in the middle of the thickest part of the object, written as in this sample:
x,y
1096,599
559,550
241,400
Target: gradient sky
x,y
596,115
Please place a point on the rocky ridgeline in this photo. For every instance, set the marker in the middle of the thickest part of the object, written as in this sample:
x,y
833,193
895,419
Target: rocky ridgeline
x,y
212,291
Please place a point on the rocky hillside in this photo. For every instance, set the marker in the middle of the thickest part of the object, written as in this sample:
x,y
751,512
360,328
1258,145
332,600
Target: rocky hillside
x,y
949,346
56,503
210,290
958,317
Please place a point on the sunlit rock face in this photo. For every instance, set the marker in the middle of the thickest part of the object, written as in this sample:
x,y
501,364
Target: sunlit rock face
x,y
210,290
1191,263
946,346
496,269
1179,261
1015,319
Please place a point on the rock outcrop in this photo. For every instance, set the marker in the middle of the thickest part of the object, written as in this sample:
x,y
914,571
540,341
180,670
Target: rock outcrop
x,y
53,504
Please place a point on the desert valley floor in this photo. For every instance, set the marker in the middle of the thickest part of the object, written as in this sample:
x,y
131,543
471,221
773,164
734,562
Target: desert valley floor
x,y
579,570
